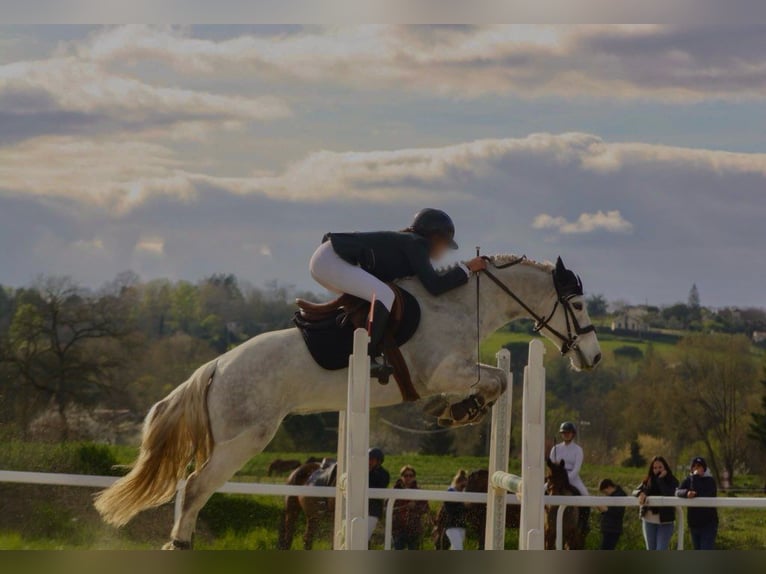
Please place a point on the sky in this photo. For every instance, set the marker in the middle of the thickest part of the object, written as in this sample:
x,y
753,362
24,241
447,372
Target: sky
x,y
637,153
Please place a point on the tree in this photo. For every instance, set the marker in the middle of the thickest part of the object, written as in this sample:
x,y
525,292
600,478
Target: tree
x,y
758,423
597,305
694,297
51,339
636,459
711,386
695,310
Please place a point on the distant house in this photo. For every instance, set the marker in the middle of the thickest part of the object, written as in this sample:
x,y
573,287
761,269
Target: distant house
x,y
630,319
759,336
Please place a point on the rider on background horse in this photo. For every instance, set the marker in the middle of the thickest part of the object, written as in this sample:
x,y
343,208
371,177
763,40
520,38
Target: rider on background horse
x,y
361,263
572,455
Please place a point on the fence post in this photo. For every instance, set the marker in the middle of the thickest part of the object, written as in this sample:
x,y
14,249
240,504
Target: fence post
x,y
532,530
357,444
499,448
340,474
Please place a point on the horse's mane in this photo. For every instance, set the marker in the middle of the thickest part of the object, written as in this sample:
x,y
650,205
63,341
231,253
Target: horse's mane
x,y
503,259
506,258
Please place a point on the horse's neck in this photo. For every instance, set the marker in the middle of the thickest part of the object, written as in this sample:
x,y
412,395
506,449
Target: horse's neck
x,y
531,284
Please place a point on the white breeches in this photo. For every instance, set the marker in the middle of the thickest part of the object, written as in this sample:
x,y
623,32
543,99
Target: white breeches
x,y
333,273
456,538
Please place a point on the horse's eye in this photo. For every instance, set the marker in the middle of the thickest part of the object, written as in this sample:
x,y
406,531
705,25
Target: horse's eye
x,y
577,306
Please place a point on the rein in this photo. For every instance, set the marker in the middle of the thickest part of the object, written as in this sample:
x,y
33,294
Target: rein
x,y
574,330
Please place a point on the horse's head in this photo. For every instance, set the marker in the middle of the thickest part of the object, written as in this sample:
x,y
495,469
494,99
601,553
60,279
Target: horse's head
x,y
556,479
557,305
568,324
477,481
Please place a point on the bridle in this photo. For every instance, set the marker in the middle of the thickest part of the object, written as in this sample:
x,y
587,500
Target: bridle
x,y
569,341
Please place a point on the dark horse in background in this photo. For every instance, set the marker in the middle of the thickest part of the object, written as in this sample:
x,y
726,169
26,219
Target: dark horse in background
x,y
476,514
318,511
557,483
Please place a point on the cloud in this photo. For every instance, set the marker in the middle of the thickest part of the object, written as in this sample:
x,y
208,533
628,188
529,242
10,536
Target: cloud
x,y
72,94
610,221
657,62
118,176
151,245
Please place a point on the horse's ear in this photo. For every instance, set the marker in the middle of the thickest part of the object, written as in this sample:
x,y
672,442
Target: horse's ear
x,y
562,464
560,267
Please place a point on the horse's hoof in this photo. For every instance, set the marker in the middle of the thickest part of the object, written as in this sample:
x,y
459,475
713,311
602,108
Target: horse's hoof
x,y
469,411
177,545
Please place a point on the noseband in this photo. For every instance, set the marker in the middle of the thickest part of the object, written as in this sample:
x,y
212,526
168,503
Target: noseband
x,y
574,330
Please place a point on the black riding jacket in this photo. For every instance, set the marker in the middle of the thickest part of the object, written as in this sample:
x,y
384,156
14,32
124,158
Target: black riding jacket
x,y
612,518
379,478
705,487
390,255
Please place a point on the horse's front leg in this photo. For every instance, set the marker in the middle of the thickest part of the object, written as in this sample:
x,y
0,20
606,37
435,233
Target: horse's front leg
x,y
483,386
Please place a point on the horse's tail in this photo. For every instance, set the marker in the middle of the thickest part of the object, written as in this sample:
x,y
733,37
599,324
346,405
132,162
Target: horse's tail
x,y
176,430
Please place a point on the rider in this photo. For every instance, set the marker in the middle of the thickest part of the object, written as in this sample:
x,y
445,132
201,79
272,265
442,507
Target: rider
x,y
361,263
572,455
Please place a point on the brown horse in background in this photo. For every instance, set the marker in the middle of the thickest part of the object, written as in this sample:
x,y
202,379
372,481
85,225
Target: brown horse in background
x,y
476,514
318,511
279,466
557,483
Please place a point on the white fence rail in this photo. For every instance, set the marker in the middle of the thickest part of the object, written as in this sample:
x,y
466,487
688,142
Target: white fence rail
x,y
260,489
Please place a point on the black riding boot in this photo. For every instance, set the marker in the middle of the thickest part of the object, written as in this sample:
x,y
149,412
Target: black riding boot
x,y
379,370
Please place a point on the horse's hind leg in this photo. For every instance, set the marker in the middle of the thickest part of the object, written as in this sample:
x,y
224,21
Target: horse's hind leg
x,y
312,524
289,522
226,459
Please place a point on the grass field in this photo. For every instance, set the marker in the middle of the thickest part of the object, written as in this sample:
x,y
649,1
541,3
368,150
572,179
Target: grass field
x,y
41,517
608,341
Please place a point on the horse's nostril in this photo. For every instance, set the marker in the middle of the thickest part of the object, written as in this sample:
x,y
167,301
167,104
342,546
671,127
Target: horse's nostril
x,y
597,359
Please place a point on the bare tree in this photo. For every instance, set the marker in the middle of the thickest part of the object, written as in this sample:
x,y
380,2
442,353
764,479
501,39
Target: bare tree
x,y
53,338
713,385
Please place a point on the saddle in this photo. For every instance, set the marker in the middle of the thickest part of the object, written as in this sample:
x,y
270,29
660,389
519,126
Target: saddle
x,y
325,475
328,330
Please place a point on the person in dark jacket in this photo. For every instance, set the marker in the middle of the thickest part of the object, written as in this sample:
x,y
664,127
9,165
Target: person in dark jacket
x,y
611,516
360,264
407,527
454,513
658,523
379,478
703,522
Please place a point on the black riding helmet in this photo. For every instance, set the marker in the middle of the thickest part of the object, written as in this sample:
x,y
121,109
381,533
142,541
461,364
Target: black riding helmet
x,y
376,453
430,221
568,426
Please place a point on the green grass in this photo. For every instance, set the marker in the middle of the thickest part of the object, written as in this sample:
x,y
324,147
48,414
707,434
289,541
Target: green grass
x,y
608,341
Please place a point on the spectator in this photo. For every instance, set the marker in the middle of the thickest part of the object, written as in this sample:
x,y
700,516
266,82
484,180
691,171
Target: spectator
x,y
703,522
572,455
658,523
454,513
379,478
611,516
407,527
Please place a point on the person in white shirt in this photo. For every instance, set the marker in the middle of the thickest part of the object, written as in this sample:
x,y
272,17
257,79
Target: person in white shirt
x,y
571,453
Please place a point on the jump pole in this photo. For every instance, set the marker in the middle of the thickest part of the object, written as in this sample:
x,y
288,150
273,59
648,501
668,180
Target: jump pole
x,y
351,515
530,489
532,528
500,437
